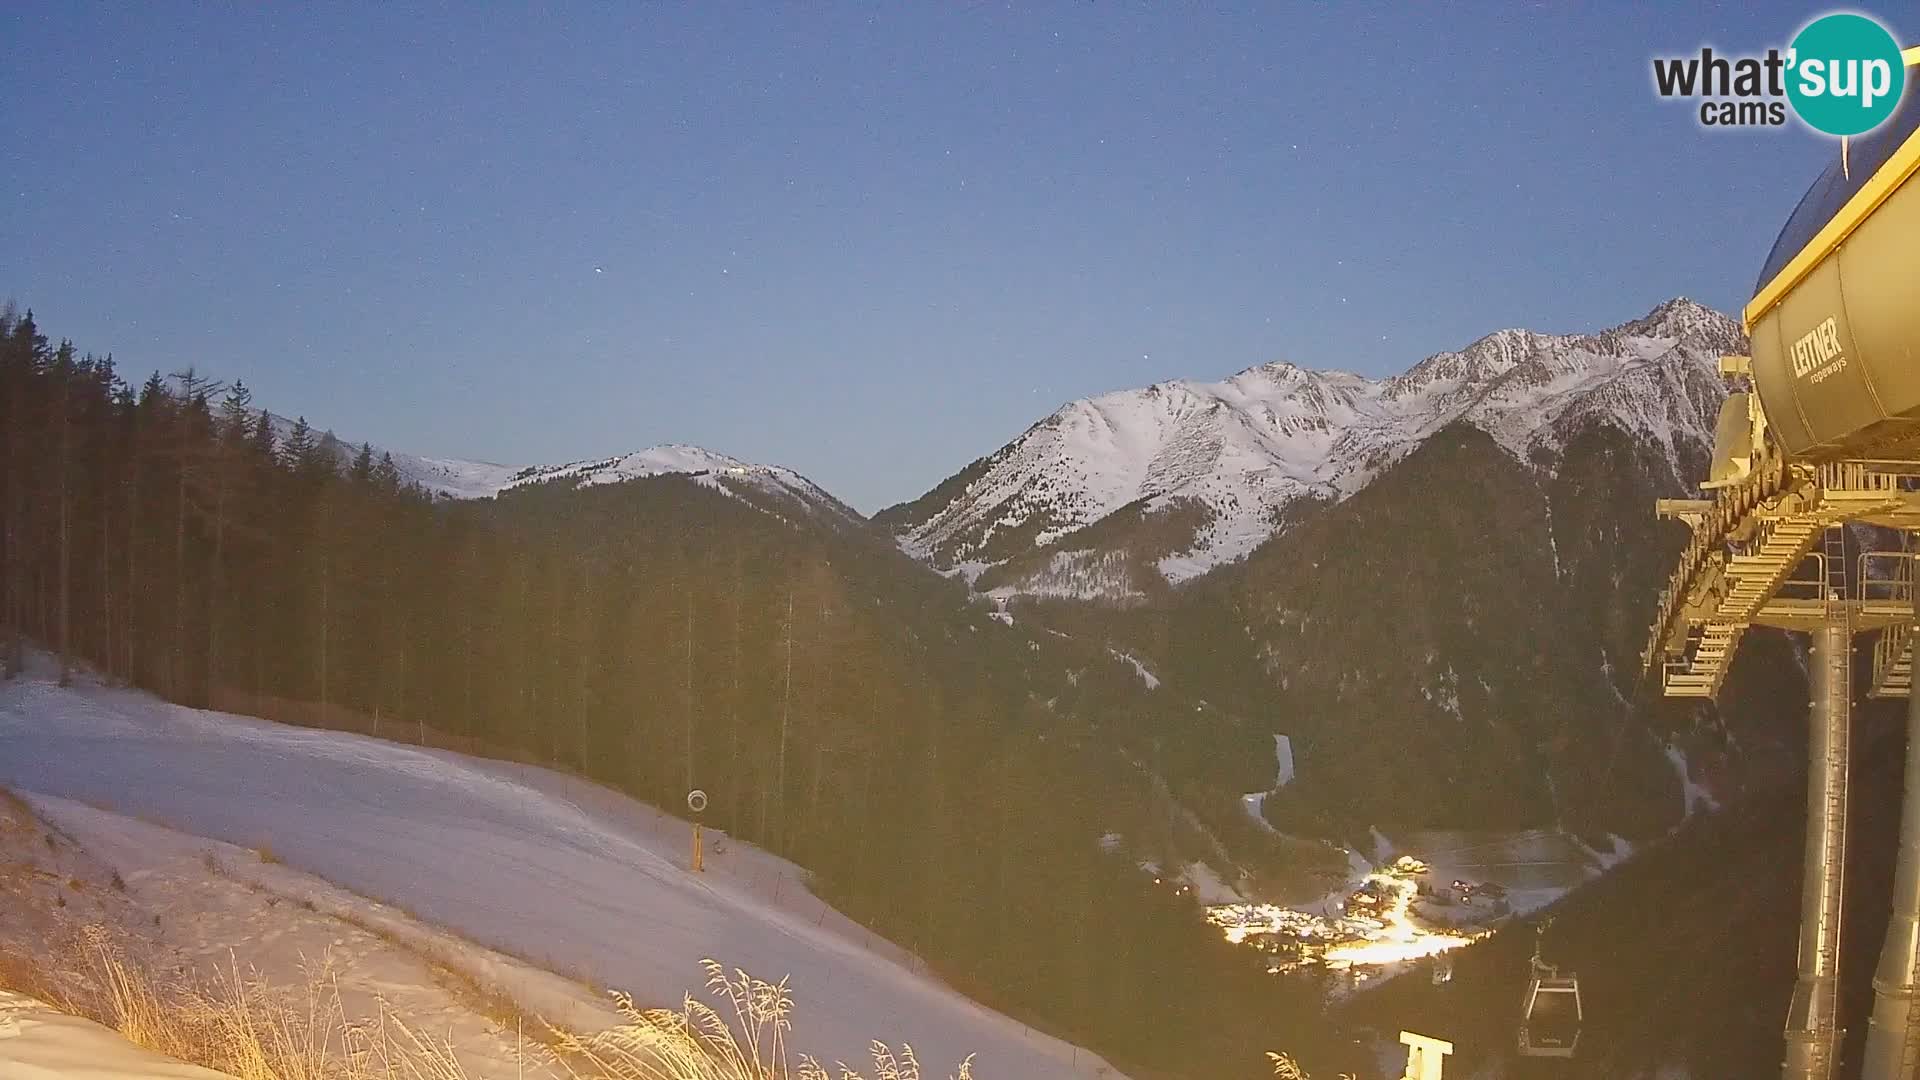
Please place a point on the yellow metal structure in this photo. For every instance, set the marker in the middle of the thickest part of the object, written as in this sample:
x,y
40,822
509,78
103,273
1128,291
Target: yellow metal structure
x,y
1747,561
1823,433
1827,433
1426,1056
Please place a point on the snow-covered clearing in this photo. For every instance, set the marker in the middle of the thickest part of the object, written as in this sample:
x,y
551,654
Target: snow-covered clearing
x,y
1536,867
1282,761
181,908
573,877
224,904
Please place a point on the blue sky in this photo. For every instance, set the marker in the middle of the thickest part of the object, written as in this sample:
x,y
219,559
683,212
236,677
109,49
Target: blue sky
x,y
872,242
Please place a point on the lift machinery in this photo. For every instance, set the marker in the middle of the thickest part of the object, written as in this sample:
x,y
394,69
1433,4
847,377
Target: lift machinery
x,y
1821,433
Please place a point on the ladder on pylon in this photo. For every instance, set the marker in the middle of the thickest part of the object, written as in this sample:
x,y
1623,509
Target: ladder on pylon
x,y
1834,588
1893,653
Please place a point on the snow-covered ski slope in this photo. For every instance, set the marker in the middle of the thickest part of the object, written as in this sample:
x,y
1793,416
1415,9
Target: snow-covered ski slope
x,y
564,873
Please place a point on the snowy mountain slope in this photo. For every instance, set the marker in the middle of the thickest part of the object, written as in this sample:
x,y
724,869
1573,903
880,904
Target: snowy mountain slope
x,y
587,882
449,477
720,472
455,478
1230,456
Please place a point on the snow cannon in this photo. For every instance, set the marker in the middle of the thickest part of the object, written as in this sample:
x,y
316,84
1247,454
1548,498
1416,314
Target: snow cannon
x,y
1835,315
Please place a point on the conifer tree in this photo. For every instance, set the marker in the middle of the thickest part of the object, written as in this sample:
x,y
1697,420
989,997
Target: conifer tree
x,y
385,476
296,452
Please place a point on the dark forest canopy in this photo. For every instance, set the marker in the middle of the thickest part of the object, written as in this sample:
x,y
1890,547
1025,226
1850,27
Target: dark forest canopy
x,y
944,781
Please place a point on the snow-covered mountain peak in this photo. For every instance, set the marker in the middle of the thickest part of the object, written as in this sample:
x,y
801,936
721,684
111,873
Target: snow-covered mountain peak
x,y
1231,455
1474,366
457,478
662,460
1678,318
721,472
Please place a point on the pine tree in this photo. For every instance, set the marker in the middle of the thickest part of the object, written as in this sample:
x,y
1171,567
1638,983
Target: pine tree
x,y
231,471
192,453
235,412
261,441
63,374
24,361
386,476
296,452
327,454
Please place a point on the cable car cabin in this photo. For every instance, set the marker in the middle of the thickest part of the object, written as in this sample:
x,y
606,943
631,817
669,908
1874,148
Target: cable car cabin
x,y
1835,316
1550,1017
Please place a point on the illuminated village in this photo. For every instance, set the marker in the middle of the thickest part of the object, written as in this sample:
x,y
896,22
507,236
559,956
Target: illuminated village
x,y
1394,917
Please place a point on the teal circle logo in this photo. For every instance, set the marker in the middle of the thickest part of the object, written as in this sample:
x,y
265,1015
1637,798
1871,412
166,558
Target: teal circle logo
x,y
1845,75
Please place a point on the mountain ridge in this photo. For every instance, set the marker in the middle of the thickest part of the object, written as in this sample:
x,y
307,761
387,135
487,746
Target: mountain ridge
x,y
1231,456
467,479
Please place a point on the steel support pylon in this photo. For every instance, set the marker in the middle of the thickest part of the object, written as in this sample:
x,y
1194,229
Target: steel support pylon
x,y
1893,1044
1813,1029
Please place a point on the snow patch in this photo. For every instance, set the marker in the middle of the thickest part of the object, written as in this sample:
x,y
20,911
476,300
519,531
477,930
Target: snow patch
x,y
1255,804
1383,850
1207,886
38,1042
1693,795
1283,761
1139,669
1082,574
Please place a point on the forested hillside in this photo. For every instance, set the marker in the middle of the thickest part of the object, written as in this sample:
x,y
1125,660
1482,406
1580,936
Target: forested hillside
x,y
945,776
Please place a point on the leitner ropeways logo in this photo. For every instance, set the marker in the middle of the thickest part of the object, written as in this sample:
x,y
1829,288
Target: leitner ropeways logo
x,y
1818,353
1843,75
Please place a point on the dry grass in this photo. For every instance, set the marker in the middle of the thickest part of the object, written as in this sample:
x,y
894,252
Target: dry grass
x,y
229,1023
699,1042
493,1003
1286,1068
235,1023
23,972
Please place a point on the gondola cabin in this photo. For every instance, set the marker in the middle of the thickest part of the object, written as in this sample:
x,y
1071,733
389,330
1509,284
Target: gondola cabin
x,y
1550,1017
